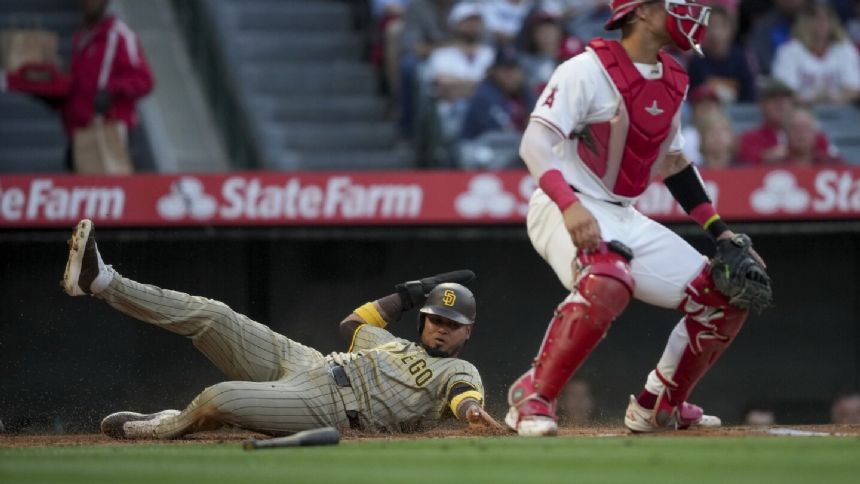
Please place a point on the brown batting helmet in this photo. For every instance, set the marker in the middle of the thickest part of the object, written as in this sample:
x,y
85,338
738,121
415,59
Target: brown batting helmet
x,y
449,300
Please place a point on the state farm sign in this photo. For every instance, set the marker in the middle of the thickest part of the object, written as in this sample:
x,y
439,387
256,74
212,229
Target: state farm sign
x,y
41,200
389,198
338,197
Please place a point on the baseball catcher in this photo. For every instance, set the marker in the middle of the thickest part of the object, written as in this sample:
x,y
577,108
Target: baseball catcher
x,y
606,126
278,386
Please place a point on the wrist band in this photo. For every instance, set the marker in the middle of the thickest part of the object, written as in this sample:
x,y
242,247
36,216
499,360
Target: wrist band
x,y
706,216
552,182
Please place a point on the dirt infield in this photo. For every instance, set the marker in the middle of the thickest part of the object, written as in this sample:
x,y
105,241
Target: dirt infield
x,y
227,436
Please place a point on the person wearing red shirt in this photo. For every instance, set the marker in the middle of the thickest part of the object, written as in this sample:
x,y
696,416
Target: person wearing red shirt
x,y
768,143
105,47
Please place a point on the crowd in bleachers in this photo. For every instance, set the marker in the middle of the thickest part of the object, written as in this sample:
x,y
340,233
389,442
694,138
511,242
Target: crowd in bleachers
x,y
466,74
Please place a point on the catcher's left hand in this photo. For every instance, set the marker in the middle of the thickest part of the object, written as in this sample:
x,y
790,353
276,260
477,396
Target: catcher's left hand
x,y
740,274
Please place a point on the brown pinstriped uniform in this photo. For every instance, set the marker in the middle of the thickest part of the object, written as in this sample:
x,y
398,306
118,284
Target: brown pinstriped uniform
x,y
400,387
281,386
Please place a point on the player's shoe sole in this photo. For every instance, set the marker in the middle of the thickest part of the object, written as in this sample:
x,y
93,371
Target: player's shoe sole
x,y
77,247
85,272
115,424
76,256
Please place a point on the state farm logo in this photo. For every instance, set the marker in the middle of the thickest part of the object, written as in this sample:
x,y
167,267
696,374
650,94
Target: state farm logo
x,y
780,192
486,196
241,198
44,200
186,197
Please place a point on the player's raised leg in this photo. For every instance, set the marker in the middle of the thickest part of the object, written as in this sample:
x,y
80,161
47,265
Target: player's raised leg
x,y
240,347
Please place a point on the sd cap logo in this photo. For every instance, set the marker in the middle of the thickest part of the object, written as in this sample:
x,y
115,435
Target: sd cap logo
x,y
449,297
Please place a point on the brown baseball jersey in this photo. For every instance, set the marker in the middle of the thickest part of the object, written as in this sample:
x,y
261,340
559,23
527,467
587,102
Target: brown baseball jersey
x,y
281,386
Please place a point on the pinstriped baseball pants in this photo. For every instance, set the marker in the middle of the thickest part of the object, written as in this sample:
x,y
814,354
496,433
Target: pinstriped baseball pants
x,y
280,386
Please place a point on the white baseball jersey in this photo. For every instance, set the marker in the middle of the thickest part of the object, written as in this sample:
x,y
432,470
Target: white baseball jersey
x,y
580,93
811,75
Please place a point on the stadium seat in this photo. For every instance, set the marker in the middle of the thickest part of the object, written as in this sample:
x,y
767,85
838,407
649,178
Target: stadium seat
x,y
310,96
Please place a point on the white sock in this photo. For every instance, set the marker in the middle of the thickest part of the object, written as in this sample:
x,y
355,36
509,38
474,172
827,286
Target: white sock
x,y
100,283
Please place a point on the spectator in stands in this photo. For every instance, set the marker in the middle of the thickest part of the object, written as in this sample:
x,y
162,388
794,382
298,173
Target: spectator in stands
x,y
772,30
586,19
846,409
703,100
717,146
540,44
819,63
503,101
853,25
749,13
724,66
388,28
455,70
801,147
576,403
504,18
78,96
767,144
424,29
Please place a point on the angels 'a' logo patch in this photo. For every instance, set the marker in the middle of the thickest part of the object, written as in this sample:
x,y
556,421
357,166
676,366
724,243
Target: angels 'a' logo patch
x,y
550,99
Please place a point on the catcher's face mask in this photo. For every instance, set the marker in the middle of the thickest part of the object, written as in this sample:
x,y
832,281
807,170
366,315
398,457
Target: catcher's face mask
x,y
687,23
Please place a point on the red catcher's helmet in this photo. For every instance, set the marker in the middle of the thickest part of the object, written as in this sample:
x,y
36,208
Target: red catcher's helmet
x,y
620,9
686,21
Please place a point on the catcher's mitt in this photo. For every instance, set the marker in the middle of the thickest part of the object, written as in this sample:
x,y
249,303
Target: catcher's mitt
x,y
739,275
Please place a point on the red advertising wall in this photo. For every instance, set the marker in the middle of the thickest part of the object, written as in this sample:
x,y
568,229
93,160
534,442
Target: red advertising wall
x,y
389,198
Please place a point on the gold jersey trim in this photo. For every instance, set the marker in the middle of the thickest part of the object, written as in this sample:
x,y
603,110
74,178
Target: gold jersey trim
x,y
371,315
354,334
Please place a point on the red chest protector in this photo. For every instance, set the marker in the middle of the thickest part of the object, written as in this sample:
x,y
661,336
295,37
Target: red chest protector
x,y
623,152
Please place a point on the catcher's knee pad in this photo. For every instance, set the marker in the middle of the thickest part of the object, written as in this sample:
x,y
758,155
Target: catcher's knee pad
x,y
602,289
711,324
710,319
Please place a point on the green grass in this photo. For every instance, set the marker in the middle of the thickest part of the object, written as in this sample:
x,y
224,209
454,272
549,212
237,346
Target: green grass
x,y
442,461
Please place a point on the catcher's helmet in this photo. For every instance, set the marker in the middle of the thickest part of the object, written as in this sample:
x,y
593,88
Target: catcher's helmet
x,y
449,300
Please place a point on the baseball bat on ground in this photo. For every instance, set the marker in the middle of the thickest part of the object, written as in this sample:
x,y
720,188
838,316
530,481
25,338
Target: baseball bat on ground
x,y
321,436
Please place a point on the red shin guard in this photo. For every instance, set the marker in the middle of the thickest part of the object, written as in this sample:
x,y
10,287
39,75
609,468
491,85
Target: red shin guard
x,y
602,290
712,325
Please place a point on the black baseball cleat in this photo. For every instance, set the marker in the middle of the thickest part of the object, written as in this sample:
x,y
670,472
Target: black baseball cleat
x,y
84,263
132,425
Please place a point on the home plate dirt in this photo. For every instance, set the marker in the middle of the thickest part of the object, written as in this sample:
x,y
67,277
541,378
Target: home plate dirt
x,y
227,436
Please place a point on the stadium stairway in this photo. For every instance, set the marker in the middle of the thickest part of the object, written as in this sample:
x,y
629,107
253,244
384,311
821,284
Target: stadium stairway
x,y
305,85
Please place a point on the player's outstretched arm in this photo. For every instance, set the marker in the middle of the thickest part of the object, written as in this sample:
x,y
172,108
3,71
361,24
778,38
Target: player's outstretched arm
x,y
470,411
